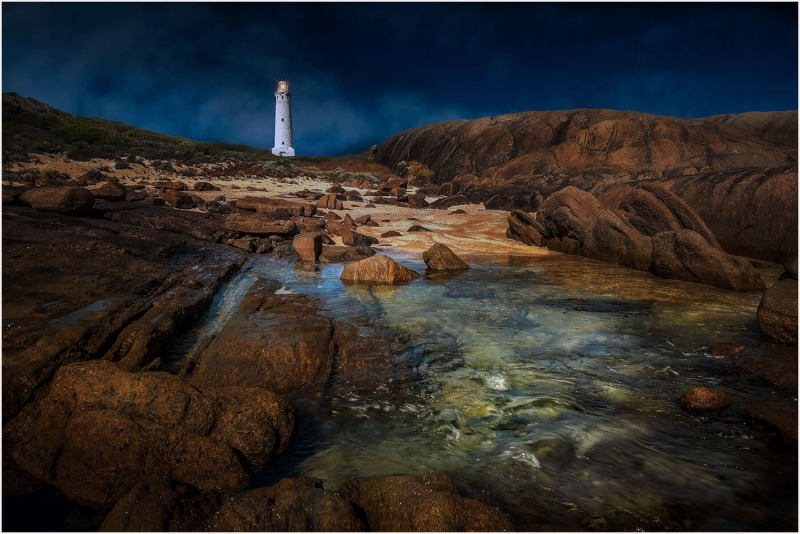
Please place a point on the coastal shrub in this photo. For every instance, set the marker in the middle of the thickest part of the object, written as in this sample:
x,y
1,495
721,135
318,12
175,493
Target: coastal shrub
x,y
122,164
419,172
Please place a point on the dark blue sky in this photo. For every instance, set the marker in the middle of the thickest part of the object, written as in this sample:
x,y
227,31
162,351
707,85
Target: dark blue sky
x,y
361,72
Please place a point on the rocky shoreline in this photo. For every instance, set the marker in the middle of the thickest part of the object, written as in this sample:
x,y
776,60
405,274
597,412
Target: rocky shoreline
x,y
101,274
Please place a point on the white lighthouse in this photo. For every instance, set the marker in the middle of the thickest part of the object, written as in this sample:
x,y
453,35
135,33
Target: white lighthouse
x,y
284,144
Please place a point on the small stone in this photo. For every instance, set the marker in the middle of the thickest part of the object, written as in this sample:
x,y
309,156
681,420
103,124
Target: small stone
x,y
704,398
418,228
391,233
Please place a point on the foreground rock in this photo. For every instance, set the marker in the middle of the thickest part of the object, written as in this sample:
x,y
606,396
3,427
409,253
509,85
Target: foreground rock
x,y
777,311
100,430
275,341
378,269
104,278
65,200
161,504
703,398
423,503
291,505
440,258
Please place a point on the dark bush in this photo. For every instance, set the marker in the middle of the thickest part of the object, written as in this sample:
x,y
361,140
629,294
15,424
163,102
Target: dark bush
x,y
122,164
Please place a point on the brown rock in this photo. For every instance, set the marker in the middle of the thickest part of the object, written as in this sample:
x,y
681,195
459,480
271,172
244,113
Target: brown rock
x,y
524,227
391,233
703,398
791,268
308,246
111,191
354,239
160,504
274,341
179,200
439,257
339,254
777,311
378,269
421,503
449,202
65,200
330,202
417,228
600,234
417,201
291,505
685,255
781,416
253,225
100,430
205,186
176,186
362,220
135,196
331,216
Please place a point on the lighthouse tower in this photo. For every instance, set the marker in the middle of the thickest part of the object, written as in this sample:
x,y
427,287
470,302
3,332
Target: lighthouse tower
x,y
284,144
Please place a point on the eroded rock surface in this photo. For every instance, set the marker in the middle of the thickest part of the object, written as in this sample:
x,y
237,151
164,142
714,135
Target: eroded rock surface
x,y
777,311
275,341
99,430
422,503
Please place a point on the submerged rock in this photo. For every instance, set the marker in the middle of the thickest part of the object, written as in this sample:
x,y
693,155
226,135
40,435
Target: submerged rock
x,y
704,398
777,311
421,503
378,269
781,416
440,257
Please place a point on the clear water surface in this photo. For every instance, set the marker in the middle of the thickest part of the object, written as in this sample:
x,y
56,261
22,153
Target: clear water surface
x,y
548,386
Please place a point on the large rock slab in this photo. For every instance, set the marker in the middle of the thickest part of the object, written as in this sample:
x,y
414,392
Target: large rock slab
x,y
100,430
253,225
422,503
275,341
777,311
378,269
685,255
308,246
578,216
65,200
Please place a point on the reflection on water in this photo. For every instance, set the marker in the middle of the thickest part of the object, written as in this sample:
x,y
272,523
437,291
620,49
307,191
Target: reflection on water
x,y
548,385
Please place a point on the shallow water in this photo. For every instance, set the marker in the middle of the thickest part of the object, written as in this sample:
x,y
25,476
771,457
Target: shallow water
x,y
548,385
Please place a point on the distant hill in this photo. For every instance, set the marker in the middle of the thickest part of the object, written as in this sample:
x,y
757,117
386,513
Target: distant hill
x,y
30,126
738,171
534,143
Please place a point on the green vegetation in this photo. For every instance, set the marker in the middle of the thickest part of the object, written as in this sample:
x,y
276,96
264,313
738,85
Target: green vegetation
x,y
30,126
418,172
